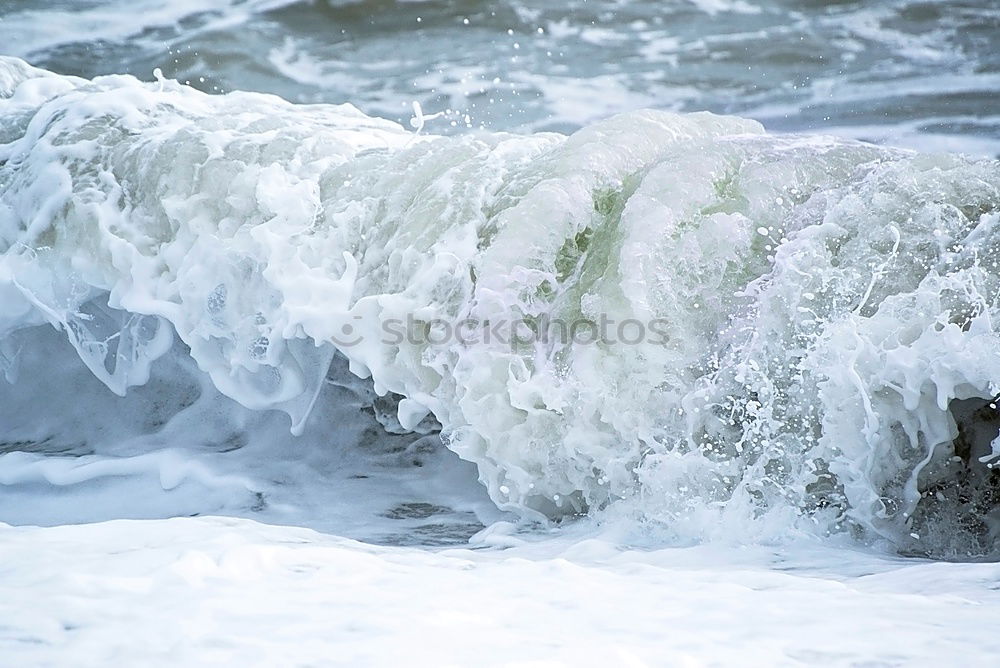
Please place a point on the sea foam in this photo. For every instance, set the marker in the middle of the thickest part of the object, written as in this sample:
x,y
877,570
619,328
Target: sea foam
x,y
824,310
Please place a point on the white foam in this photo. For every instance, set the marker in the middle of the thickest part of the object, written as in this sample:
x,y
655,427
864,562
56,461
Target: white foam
x,y
270,235
215,590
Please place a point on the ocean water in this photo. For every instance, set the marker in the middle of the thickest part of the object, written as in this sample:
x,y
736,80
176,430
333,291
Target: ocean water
x,y
656,333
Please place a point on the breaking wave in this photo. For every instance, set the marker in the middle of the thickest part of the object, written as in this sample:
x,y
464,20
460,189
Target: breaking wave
x,y
825,310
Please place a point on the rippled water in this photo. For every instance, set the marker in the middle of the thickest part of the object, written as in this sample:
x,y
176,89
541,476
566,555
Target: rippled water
x,y
918,74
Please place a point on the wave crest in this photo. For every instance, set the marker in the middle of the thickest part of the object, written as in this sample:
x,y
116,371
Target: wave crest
x,y
826,308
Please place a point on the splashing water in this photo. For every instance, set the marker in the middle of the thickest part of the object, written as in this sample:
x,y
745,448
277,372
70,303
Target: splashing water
x,y
823,309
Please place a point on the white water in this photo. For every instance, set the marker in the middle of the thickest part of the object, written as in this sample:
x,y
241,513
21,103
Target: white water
x,y
205,591
820,304
198,296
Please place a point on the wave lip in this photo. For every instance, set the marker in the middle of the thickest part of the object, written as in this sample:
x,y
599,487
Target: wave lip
x,y
819,304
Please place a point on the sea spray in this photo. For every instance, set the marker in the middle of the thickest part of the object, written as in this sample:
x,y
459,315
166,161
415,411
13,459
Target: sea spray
x,y
827,307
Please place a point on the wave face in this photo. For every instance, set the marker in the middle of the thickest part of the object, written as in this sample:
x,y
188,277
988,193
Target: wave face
x,y
799,329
